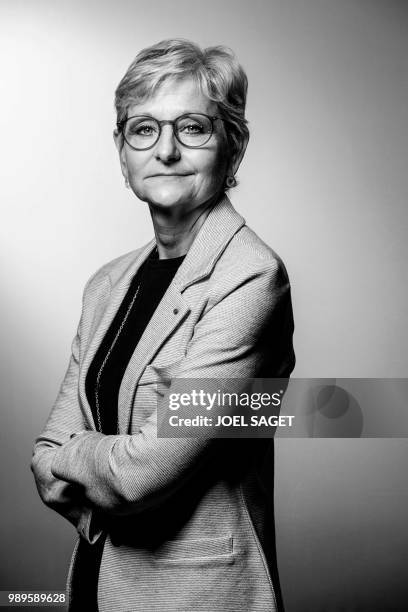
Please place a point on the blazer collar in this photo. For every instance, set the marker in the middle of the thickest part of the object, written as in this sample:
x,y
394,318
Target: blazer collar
x,y
216,232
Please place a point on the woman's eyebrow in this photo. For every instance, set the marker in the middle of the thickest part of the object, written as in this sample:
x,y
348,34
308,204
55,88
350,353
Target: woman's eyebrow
x,y
179,114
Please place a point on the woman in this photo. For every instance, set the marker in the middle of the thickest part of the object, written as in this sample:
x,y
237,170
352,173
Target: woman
x,y
171,524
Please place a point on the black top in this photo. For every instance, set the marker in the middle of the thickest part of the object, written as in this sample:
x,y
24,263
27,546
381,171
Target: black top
x,y
113,355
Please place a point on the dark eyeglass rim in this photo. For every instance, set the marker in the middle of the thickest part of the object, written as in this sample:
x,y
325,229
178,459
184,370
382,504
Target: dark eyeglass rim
x,y
212,118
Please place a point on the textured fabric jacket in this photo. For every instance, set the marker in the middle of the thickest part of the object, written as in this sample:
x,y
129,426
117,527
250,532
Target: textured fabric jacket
x,y
188,522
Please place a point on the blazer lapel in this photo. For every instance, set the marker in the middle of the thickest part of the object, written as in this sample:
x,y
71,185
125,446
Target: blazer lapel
x,y
167,316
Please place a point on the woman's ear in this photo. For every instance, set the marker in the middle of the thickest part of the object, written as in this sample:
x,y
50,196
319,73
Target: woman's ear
x,y
119,142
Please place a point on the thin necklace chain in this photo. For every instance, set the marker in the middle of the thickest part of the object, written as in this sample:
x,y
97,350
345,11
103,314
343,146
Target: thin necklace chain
x,y
98,378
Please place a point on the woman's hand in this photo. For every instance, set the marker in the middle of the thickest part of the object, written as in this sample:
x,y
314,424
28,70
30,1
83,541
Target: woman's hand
x,y
64,497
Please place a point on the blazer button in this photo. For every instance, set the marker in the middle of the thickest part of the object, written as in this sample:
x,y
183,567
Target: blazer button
x,y
175,311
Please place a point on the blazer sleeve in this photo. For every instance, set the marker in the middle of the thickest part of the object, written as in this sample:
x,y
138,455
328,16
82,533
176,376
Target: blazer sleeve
x,y
65,420
239,335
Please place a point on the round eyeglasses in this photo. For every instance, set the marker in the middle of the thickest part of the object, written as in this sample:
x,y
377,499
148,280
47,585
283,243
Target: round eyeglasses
x,y
192,130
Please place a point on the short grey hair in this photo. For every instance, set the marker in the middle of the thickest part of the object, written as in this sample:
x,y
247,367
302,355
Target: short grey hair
x,y
215,69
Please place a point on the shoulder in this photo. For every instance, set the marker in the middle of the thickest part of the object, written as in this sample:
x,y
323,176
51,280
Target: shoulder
x,y
248,258
253,250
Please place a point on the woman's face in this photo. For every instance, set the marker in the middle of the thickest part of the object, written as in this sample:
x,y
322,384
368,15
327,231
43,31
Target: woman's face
x,y
170,174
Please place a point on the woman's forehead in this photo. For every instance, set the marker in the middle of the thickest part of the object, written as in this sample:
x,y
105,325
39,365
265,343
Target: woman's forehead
x,y
173,98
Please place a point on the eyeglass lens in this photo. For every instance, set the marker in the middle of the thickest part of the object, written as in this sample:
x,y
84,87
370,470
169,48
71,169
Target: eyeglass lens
x,y
193,130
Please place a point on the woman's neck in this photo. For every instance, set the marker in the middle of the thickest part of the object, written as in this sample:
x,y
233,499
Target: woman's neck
x,y
176,230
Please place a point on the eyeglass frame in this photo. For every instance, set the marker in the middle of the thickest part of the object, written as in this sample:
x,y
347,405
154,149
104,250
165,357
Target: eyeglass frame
x,y
213,118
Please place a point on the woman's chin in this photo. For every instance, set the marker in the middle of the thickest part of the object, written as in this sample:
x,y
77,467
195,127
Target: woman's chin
x,y
169,199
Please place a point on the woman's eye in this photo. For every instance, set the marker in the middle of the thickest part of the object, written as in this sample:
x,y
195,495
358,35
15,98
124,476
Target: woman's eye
x,y
142,129
146,130
192,128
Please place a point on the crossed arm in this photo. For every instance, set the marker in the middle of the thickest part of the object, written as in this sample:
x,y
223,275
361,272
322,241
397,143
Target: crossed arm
x,y
124,474
65,497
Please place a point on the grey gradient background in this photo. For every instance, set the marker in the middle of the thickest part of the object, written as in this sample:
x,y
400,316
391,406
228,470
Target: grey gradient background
x,y
324,182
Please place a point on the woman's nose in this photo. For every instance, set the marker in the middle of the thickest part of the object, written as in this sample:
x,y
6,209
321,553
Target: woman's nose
x,y
167,148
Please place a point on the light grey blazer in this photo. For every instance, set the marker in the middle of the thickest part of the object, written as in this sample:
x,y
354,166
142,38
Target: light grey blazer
x,y
188,524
